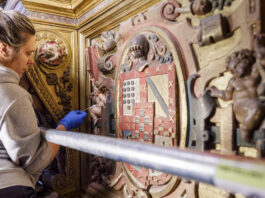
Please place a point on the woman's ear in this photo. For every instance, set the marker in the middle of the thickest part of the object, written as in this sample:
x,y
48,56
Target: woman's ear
x,y
5,51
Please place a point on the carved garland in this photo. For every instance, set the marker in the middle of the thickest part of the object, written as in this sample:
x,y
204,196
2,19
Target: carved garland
x,y
61,89
33,76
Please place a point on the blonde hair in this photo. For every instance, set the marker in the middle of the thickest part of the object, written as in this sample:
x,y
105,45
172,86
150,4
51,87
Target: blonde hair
x,y
15,28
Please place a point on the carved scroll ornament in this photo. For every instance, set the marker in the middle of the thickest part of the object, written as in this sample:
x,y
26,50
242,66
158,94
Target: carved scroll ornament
x,y
172,8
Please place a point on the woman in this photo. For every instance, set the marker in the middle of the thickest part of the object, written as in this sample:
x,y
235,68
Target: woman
x,y
23,151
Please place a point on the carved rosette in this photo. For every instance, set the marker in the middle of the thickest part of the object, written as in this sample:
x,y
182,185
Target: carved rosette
x,y
50,54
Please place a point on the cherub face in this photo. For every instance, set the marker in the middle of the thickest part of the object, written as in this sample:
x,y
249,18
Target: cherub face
x,y
201,7
242,69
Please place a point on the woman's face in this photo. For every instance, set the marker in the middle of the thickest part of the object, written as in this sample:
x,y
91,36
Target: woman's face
x,y
21,60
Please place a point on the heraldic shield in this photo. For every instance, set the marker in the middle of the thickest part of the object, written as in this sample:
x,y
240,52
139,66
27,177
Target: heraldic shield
x,y
148,111
147,102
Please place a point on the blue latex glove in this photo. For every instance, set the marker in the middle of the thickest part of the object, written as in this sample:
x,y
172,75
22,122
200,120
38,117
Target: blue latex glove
x,y
73,119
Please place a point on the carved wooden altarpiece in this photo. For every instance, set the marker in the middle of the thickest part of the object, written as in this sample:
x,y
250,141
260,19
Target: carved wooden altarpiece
x,y
156,68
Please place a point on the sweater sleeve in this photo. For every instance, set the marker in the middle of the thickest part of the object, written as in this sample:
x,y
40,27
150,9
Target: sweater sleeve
x,y
22,138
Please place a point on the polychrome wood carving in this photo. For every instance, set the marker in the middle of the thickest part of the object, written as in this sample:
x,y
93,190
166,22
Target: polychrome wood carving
x,y
172,64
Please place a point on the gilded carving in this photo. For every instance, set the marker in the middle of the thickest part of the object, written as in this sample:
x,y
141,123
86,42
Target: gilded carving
x,y
52,54
33,75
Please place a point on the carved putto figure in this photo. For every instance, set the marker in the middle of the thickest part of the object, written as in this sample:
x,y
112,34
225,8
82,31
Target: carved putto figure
x,y
99,97
242,89
201,7
50,53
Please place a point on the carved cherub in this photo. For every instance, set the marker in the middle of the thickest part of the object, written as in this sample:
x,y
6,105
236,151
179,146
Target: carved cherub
x,y
201,7
242,89
99,97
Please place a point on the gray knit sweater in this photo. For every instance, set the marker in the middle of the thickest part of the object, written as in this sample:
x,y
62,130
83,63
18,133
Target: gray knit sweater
x,y
23,151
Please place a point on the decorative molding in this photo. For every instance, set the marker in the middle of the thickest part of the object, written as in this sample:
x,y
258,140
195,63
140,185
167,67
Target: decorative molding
x,y
77,13
51,18
62,8
111,19
72,9
89,8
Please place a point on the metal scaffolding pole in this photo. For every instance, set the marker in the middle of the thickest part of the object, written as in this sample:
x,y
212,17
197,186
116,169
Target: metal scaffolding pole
x,y
235,174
